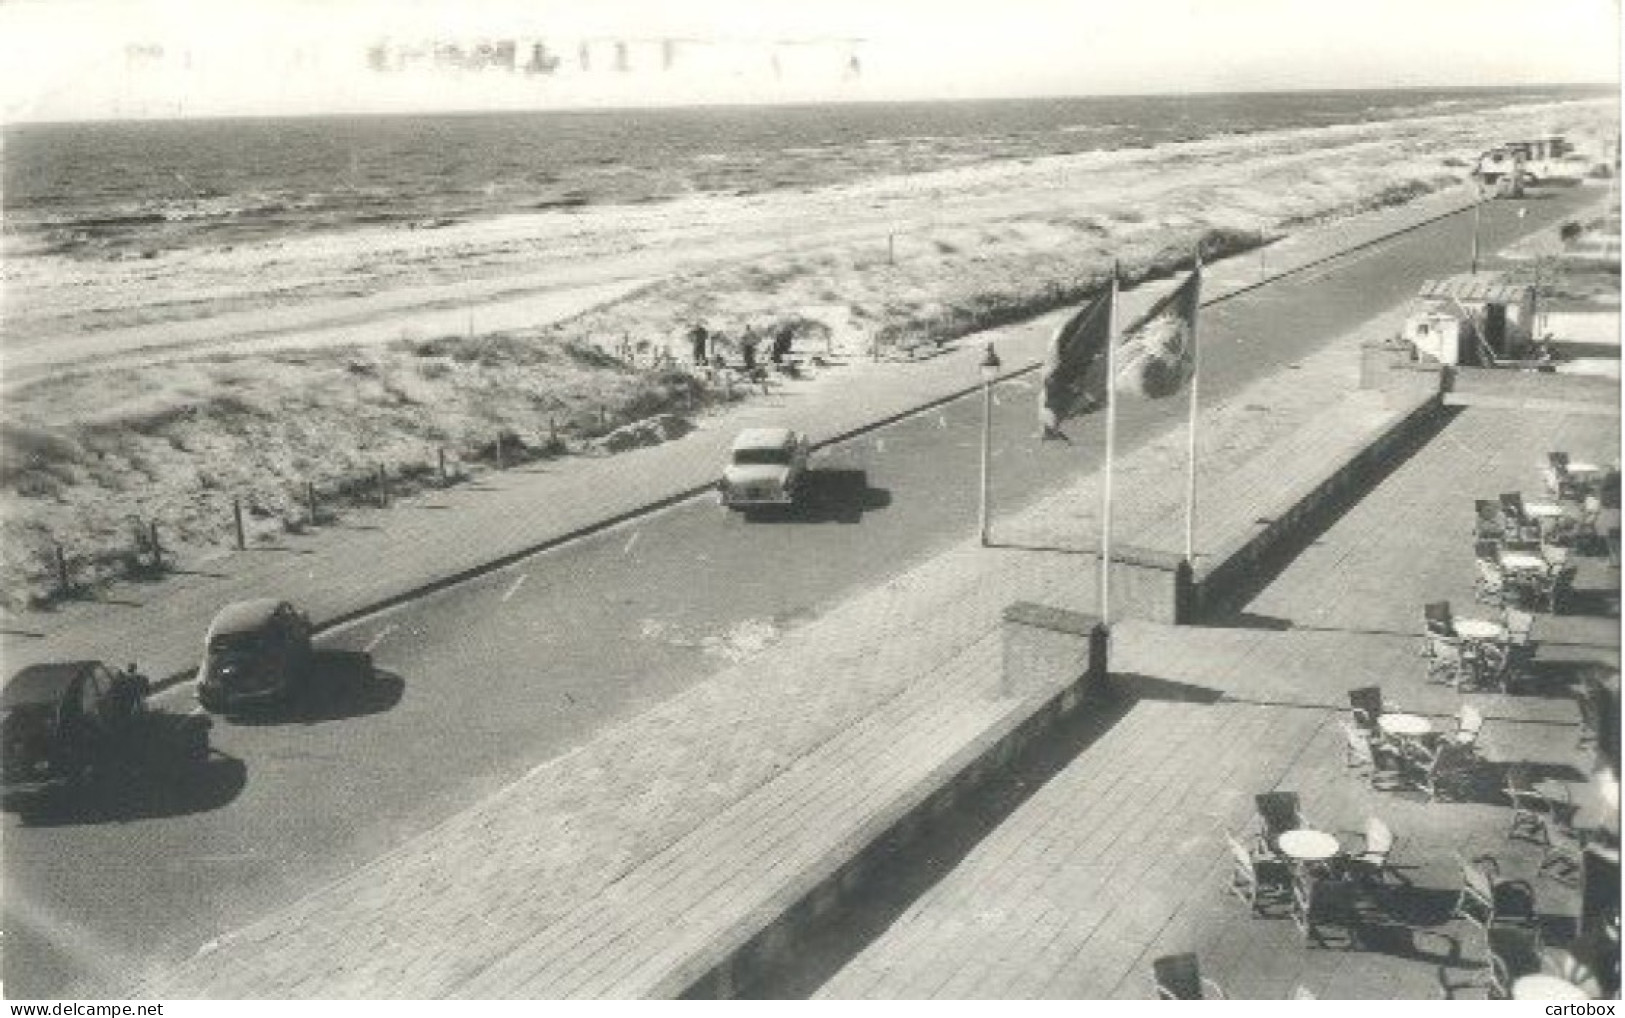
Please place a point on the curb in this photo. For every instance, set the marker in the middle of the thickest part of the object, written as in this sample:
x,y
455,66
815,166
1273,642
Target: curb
x,y
508,558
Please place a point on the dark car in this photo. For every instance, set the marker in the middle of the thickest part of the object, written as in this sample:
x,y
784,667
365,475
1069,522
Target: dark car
x,y
256,653
63,723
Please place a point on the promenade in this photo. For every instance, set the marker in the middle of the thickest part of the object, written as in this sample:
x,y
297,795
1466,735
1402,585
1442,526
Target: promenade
x,y
604,872
1119,857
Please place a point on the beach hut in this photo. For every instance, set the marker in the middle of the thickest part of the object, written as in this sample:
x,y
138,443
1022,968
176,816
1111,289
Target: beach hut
x,y
1471,319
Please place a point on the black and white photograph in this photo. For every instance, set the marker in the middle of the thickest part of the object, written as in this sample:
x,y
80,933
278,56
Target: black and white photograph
x,y
833,500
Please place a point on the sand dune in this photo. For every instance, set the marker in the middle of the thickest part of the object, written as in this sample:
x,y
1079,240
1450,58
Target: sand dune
x,y
145,386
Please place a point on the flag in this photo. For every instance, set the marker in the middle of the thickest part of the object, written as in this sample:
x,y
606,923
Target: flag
x,y
1155,358
1074,378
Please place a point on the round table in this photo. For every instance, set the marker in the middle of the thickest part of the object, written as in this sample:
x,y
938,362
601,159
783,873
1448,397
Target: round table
x,y
1522,561
1408,726
1480,629
1307,845
1540,986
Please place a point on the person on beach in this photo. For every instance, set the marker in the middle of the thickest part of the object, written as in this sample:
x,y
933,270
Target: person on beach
x,y
697,338
781,343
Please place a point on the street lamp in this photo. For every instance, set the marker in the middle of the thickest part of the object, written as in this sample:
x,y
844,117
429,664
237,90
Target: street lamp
x,y
990,372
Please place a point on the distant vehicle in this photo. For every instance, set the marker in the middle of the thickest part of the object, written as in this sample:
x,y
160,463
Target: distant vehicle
x,y
255,653
67,722
766,467
1517,163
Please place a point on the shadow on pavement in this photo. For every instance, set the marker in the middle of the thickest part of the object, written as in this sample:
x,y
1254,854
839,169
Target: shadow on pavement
x,y
827,496
343,684
901,872
177,788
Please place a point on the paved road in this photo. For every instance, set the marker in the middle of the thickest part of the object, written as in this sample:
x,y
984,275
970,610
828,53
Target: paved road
x,y
482,681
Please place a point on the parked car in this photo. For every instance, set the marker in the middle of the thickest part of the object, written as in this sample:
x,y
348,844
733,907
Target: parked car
x,y
765,467
255,653
66,722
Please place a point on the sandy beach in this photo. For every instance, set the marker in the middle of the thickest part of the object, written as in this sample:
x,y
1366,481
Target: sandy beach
x,y
160,386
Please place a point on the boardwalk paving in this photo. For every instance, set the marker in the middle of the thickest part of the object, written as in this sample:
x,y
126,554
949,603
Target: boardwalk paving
x,y
1129,832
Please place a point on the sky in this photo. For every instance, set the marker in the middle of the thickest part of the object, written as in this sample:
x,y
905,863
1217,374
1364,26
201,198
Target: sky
x,y
76,59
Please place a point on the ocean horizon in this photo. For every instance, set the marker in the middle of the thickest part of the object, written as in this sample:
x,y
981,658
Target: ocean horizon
x,y
120,188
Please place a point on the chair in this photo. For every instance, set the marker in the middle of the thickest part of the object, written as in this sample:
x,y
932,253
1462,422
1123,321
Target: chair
x,y
1587,703
1554,589
1490,587
1514,521
1179,977
1487,523
1565,844
1520,646
1438,766
1513,952
1559,461
1590,513
1317,901
1488,549
1279,813
1531,812
1371,863
1446,660
1253,878
1485,899
1366,703
1469,723
1554,481
1487,664
1438,618
1361,751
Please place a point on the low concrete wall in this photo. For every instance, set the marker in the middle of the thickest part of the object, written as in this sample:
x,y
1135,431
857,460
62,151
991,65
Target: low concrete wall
x,y
1235,569
1501,387
1391,371
1061,656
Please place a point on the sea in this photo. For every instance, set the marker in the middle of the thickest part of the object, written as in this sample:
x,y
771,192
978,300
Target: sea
x,y
117,189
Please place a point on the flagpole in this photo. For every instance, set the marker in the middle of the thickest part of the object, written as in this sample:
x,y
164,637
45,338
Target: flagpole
x,y
1111,444
1190,454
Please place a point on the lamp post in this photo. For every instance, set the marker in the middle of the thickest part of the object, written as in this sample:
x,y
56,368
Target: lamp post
x,y
990,371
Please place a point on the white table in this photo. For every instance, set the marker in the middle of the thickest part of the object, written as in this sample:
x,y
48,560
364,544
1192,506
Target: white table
x,y
1544,987
1307,845
1523,561
1583,468
1405,726
1543,510
1480,629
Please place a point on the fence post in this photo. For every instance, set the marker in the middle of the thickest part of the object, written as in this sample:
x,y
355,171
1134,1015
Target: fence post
x,y
310,499
552,428
891,248
237,516
501,462
62,580
157,549
440,455
603,415
383,487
